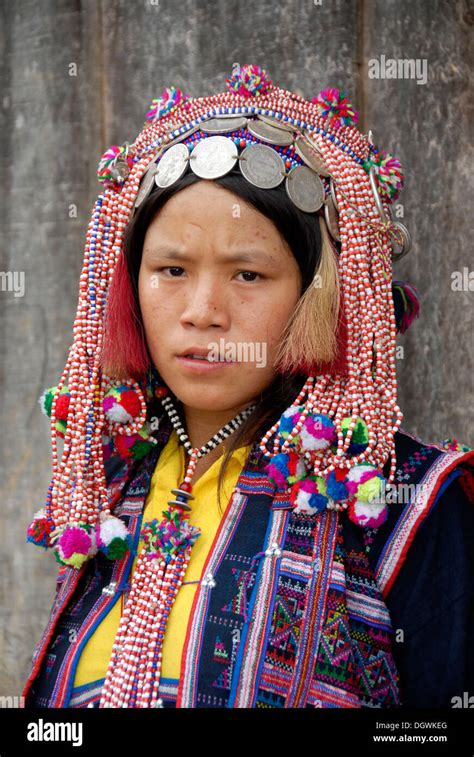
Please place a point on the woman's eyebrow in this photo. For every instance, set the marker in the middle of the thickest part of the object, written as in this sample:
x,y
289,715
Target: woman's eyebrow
x,y
244,256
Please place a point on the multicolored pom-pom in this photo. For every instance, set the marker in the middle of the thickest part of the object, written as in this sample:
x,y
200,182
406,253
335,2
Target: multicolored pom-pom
x,y
121,404
134,446
406,304
248,80
451,444
285,468
308,495
40,529
166,538
334,107
317,432
339,488
114,166
170,99
62,407
368,506
75,545
360,435
387,172
112,537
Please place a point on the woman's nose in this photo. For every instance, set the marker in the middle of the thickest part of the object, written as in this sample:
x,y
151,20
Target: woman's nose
x,y
205,305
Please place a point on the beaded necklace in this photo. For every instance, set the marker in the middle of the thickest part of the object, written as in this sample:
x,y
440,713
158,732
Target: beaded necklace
x,y
133,674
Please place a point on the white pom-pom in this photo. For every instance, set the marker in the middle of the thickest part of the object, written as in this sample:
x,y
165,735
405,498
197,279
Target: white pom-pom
x,y
118,414
112,528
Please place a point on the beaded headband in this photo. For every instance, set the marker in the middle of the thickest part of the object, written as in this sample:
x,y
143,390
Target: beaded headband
x,y
329,447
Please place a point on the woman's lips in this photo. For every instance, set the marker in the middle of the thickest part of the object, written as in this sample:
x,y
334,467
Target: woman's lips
x,y
197,365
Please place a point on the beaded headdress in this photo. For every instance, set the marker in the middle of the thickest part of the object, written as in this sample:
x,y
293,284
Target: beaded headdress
x,y
329,447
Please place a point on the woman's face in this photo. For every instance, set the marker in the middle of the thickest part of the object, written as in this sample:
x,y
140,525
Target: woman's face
x,y
216,277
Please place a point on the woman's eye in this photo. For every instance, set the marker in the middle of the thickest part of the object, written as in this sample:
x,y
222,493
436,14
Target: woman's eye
x,y
249,273
172,269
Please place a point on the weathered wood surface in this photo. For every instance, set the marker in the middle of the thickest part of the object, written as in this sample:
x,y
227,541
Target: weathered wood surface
x,y
55,126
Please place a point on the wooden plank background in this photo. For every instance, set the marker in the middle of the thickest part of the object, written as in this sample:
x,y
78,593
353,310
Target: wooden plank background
x,y
79,76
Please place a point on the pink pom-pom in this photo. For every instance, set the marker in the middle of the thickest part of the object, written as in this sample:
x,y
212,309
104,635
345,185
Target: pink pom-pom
x,y
75,545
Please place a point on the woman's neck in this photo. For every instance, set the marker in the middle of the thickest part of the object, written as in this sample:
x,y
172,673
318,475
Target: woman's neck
x,y
201,425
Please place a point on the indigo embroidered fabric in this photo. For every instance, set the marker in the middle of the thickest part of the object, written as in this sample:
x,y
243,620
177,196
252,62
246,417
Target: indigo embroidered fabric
x,y
301,613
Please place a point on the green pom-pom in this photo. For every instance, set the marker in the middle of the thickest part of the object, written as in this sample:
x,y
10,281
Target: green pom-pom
x,y
46,400
117,548
360,435
140,449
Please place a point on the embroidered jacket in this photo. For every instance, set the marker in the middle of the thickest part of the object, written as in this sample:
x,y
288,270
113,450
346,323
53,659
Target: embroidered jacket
x,y
302,610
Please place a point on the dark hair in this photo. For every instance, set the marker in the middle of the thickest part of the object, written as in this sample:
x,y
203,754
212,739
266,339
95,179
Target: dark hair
x,y
301,232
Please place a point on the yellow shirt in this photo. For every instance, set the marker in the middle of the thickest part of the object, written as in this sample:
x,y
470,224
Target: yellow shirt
x,y
168,474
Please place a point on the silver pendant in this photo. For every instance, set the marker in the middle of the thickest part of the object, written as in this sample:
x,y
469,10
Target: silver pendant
x,y
308,152
181,499
172,165
305,188
375,192
396,256
332,219
213,157
333,193
146,183
262,166
222,125
120,171
267,133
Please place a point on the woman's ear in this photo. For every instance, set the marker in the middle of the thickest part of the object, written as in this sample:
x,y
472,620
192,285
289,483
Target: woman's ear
x,y
314,340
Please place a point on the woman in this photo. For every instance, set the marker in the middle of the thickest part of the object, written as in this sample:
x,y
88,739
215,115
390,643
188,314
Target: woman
x,y
263,534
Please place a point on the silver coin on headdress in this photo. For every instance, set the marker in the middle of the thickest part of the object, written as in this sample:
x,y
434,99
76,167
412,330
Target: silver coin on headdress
x,y
146,183
262,166
172,165
276,122
305,188
182,136
307,150
331,217
268,133
213,157
220,125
